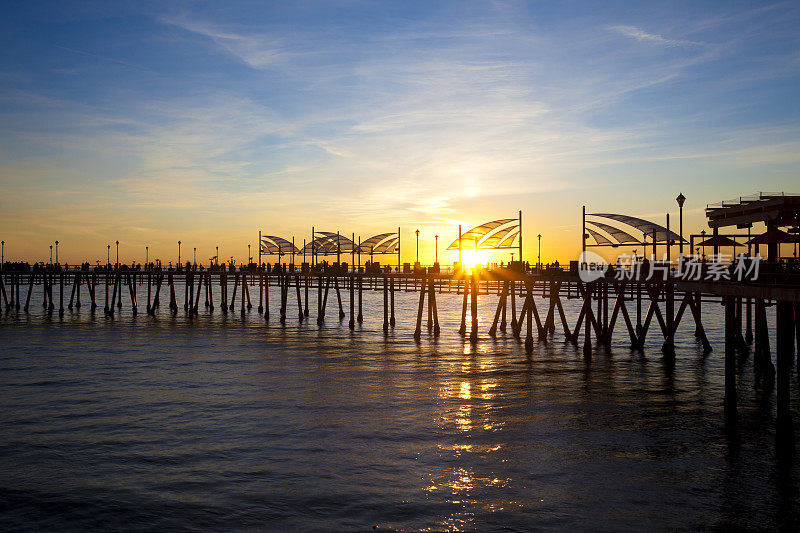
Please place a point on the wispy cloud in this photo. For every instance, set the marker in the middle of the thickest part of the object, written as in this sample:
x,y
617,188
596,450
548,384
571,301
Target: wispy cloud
x,y
255,50
641,35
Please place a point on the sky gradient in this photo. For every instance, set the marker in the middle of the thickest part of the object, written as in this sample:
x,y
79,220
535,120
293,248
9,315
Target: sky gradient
x,y
207,122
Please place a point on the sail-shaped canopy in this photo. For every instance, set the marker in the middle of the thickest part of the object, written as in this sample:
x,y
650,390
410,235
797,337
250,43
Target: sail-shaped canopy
x,y
379,244
270,244
386,247
599,237
508,241
392,247
497,237
619,235
329,243
482,236
318,245
662,234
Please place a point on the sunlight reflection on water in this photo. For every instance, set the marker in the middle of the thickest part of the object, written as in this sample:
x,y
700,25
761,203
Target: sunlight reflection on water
x,y
223,421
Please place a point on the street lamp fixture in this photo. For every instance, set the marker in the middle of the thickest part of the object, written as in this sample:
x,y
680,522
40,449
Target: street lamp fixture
x,y
179,255
703,233
108,256
56,252
436,253
680,199
51,254
417,232
117,253
539,257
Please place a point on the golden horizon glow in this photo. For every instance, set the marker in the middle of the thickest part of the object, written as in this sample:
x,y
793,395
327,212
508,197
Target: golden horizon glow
x,y
472,258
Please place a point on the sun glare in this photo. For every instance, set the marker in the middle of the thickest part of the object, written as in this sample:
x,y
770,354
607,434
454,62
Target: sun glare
x,y
472,258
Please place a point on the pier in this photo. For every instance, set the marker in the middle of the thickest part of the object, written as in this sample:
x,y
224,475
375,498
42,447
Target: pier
x,y
640,301
637,309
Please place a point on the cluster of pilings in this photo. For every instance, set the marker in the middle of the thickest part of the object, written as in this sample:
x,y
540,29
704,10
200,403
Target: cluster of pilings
x,y
604,302
747,329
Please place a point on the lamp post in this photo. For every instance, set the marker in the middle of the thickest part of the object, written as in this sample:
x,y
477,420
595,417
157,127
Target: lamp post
x,y
436,252
417,232
51,254
179,255
539,257
56,252
146,256
108,256
216,257
249,257
680,199
194,260
703,233
117,254
2,254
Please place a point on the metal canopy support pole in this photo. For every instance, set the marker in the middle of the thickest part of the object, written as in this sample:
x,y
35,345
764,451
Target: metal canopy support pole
x,y
583,235
655,243
716,246
520,235
669,256
459,246
259,248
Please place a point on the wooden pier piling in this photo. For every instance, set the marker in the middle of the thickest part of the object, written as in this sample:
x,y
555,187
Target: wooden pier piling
x,y
730,359
28,298
418,329
360,317
386,304
785,337
352,323
132,291
473,335
300,313
392,320
338,297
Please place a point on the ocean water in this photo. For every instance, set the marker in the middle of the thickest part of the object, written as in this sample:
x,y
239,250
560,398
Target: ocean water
x,y
238,422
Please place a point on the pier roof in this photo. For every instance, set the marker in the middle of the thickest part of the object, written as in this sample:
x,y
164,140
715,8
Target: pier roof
x,y
776,209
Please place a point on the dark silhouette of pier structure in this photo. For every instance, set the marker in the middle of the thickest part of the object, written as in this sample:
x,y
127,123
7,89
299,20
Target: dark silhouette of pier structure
x,y
633,306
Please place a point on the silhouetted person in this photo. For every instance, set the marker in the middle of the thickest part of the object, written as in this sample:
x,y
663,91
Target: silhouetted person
x,y
645,268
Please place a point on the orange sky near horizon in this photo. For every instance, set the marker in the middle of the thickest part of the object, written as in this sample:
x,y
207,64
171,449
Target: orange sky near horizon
x,y
84,242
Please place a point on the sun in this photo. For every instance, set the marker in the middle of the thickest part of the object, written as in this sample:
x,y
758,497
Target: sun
x,y
472,258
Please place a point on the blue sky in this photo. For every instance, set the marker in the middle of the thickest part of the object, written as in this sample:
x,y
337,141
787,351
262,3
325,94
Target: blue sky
x,y
206,122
